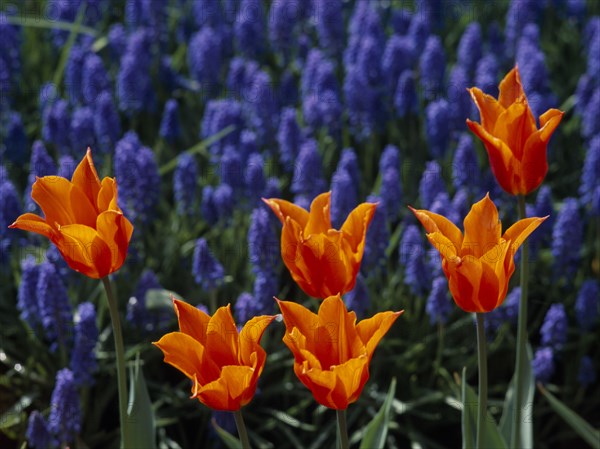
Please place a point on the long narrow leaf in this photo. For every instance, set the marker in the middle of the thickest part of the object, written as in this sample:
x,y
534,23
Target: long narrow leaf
x,y
577,423
140,416
228,439
376,431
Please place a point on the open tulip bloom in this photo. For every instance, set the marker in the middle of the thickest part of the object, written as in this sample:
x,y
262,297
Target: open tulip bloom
x,y
323,261
82,219
479,263
223,364
515,146
331,351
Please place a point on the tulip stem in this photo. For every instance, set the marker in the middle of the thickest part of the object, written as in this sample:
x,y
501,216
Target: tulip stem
x,y
519,375
241,428
343,428
482,361
120,354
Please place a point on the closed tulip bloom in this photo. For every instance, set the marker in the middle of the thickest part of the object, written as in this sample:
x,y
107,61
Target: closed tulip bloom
x,y
508,129
479,263
223,364
331,351
82,218
323,261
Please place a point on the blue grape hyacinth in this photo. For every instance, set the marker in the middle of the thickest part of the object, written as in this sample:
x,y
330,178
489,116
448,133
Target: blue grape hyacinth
x,y
207,270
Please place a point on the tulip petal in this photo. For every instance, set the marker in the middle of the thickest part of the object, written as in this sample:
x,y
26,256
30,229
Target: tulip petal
x,y
222,339
250,337
115,230
463,281
511,88
340,327
34,223
321,383
444,246
63,202
501,159
518,232
85,251
535,164
514,126
356,225
107,196
291,243
373,329
226,392
482,228
489,108
488,296
351,378
327,271
284,209
298,316
192,321
183,352
86,178
437,223
319,220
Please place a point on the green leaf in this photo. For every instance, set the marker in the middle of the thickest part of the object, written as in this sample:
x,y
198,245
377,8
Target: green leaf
x,y
577,423
376,431
157,298
140,421
506,421
198,148
64,56
470,402
228,439
468,415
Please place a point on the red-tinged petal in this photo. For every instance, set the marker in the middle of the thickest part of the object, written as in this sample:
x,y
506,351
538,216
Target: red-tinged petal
x,y
489,108
62,202
535,163
115,230
482,228
463,281
514,126
327,273
489,288
340,330
291,244
192,321
321,383
250,337
85,251
297,316
501,158
444,246
86,178
351,379
226,392
107,196
222,337
319,220
373,329
511,89
437,223
34,223
183,352
518,232
284,209
356,225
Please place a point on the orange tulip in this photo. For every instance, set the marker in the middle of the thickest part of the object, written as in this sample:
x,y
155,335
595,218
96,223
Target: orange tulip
x,y
331,352
515,146
223,365
323,261
479,263
82,219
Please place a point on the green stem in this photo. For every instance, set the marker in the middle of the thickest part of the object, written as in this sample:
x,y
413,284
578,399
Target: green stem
x,y
482,361
521,336
241,428
343,428
120,354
